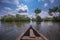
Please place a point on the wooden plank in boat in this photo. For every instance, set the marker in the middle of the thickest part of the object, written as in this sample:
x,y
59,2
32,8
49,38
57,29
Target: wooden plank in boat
x,y
32,33
29,38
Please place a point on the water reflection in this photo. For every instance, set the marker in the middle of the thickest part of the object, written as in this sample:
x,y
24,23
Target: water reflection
x,y
10,31
38,24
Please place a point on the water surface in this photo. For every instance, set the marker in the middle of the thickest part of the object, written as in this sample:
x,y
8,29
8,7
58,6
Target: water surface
x,y
10,31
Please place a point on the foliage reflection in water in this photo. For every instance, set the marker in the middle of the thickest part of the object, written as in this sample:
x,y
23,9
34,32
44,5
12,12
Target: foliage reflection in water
x,y
10,31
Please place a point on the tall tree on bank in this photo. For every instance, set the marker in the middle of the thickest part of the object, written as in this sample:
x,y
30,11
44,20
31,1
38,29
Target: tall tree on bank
x,y
55,9
59,9
37,11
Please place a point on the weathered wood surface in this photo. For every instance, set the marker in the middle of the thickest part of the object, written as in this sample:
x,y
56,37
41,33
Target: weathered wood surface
x,y
29,38
31,34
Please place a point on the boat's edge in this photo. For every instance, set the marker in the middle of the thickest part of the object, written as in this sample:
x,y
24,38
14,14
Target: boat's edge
x,y
19,37
35,30
41,35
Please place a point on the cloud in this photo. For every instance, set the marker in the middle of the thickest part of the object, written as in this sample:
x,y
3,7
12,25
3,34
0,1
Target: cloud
x,y
8,9
22,8
55,14
46,4
44,14
15,2
2,12
23,14
52,1
33,15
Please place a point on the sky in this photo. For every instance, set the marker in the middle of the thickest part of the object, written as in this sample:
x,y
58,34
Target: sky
x,y
26,6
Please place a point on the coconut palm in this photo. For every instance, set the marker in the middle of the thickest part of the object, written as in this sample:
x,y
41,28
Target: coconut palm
x,y
37,11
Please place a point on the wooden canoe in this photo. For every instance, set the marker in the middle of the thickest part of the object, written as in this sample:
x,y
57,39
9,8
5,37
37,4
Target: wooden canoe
x,y
31,34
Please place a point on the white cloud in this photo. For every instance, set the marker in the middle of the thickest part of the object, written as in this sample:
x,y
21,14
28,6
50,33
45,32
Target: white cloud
x,y
33,15
52,1
14,12
8,9
46,4
2,12
15,2
22,9
55,13
22,13
44,14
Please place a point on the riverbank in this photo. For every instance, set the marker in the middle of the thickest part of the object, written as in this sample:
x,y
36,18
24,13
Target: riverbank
x,y
23,18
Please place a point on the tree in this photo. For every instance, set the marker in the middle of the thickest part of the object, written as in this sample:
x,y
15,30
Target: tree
x,y
59,9
50,11
55,9
38,18
17,18
37,11
33,19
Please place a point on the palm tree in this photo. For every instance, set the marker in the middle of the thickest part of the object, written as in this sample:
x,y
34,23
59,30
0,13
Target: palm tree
x,y
37,11
54,9
38,18
59,9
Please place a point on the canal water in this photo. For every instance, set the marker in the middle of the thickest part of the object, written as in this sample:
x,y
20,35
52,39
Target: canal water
x,y
10,31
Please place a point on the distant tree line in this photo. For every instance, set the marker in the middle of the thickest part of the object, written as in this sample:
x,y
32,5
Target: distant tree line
x,y
17,18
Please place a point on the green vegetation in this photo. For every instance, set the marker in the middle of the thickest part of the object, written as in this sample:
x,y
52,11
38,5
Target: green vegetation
x,y
38,18
37,11
33,19
17,18
55,9
56,19
47,19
